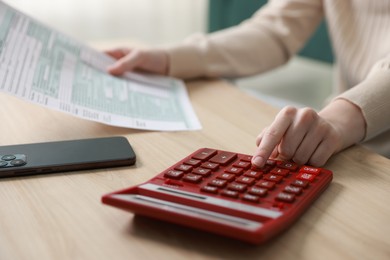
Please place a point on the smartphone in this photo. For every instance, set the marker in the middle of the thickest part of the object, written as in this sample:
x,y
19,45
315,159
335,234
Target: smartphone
x,y
61,156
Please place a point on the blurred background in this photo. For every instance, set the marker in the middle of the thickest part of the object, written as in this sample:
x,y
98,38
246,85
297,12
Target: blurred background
x,y
148,21
305,81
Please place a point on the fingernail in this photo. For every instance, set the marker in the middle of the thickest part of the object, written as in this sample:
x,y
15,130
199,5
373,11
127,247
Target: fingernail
x,y
258,161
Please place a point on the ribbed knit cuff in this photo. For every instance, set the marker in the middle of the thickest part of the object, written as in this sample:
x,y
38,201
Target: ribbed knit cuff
x,y
372,97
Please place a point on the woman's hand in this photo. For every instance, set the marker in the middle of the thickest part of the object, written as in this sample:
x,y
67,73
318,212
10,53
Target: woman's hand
x,y
147,60
308,137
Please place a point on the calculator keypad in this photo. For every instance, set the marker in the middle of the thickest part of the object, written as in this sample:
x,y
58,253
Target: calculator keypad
x,y
231,176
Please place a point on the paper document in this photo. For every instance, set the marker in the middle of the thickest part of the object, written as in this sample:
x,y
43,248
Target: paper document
x,y
48,68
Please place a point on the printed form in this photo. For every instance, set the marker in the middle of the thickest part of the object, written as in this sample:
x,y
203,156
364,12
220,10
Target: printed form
x,y
48,68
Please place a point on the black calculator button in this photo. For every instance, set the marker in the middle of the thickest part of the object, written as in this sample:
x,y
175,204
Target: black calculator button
x,y
8,157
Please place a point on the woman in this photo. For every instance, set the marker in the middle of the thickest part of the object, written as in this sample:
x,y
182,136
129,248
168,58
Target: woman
x,y
360,34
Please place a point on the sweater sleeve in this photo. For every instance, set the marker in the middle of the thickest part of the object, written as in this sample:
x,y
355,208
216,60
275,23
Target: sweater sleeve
x,y
372,97
267,40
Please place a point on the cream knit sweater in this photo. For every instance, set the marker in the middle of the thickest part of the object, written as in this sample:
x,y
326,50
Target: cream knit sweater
x,y
360,35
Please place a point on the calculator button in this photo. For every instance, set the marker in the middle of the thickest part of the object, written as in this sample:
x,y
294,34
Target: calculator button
x,y
218,183
193,162
235,170
211,166
251,198
210,189
288,165
293,190
174,174
227,176
223,158
184,168
8,157
203,172
253,174
245,180
311,170
264,169
230,193
278,171
258,191
267,168
283,196
237,187
273,177
300,183
271,162
204,154
306,176
266,184
246,158
241,164
192,178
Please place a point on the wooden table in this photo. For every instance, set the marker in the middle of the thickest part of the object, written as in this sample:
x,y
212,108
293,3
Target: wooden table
x,y
60,216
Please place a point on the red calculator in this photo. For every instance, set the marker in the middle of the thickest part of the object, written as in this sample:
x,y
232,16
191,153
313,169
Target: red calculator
x,y
221,192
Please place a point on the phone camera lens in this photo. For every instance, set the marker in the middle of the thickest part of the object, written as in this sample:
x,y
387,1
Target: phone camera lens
x,y
8,157
18,162
3,163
